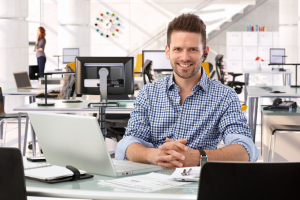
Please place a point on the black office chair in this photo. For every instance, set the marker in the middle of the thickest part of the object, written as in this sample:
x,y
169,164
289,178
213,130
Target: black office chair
x,y
211,70
12,181
4,115
223,75
148,72
243,180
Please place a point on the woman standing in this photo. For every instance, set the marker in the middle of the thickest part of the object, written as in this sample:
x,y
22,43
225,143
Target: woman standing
x,y
40,48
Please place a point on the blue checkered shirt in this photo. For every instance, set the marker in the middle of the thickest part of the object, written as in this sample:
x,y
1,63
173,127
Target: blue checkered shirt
x,y
210,114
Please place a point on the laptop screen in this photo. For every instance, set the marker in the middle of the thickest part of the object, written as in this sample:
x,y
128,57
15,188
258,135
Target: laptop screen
x,y
22,79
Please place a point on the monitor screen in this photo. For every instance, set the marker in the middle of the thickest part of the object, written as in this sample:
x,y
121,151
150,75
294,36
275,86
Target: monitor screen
x,y
69,55
277,56
158,58
120,79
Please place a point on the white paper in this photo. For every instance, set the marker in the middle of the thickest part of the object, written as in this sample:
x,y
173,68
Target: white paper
x,y
144,183
193,175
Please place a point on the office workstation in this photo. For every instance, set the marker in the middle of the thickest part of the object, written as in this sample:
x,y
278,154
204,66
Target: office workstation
x,y
149,100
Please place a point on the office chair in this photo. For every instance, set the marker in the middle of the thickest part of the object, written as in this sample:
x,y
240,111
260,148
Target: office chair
x,y
148,72
223,75
68,87
209,69
138,65
4,115
12,181
244,180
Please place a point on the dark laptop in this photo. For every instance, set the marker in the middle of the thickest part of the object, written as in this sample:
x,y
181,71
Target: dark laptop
x,y
23,82
244,180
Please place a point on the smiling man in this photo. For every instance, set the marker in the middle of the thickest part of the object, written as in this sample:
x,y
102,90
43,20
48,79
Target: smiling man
x,y
180,120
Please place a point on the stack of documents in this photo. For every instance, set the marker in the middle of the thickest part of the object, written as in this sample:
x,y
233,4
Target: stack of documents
x,y
144,183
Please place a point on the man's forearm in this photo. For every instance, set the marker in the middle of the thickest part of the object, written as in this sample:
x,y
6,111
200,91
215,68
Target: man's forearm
x,y
139,153
234,152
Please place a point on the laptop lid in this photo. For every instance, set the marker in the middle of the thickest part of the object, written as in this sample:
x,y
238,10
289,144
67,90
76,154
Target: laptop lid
x,y
73,140
22,79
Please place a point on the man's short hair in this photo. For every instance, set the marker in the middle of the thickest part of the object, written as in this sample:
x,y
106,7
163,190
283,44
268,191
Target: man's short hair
x,y
187,23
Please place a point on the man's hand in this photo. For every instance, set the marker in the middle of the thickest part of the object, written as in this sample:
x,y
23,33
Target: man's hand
x,y
168,155
178,154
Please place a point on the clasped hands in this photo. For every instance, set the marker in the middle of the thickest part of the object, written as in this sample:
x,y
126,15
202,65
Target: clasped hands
x,y
174,154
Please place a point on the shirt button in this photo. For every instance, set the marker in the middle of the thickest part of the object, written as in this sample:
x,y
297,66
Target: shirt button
x,y
182,118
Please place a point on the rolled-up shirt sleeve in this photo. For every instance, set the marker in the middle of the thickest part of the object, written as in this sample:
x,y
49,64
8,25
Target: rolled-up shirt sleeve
x,y
138,128
233,125
122,146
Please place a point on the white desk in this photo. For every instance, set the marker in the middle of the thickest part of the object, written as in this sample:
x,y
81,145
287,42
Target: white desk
x,y
255,92
126,107
286,77
89,189
13,90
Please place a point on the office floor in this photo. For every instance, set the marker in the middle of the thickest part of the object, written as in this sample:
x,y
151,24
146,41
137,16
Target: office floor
x,y
11,140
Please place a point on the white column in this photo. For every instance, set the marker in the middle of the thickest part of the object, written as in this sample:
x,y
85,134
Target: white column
x,y
13,38
13,44
73,29
288,32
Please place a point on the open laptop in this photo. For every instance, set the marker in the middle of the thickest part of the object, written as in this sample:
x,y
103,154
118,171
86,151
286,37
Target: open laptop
x,y
77,141
23,82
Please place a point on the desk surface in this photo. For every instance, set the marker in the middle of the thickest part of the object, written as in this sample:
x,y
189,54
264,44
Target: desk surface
x,y
11,89
89,189
258,91
266,71
126,107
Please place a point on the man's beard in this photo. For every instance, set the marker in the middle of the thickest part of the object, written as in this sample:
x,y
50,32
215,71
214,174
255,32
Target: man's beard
x,y
195,71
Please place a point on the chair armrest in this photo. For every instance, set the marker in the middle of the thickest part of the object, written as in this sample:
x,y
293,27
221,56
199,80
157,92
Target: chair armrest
x,y
234,75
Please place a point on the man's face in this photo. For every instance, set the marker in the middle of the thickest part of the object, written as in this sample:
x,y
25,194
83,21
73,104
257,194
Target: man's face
x,y
185,53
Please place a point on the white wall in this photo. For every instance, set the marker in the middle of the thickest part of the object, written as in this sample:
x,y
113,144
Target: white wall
x,y
265,15
13,45
141,24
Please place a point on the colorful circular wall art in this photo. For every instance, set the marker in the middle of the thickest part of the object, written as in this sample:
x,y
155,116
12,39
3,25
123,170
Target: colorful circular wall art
x,y
107,24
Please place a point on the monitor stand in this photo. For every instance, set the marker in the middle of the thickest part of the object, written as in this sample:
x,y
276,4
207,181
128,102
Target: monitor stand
x,y
103,73
45,104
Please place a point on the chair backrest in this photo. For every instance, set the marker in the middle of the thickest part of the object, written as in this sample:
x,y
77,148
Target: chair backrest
x,y
244,180
148,72
205,66
1,103
68,87
221,70
12,181
139,63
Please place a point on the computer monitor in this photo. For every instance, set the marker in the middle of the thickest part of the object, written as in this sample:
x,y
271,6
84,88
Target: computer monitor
x,y
69,55
277,56
120,78
158,58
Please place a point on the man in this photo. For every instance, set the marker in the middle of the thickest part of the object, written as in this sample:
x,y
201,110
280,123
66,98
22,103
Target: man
x,y
176,116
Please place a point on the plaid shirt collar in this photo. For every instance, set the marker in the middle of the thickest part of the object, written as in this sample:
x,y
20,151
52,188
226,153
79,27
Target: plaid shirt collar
x,y
202,84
